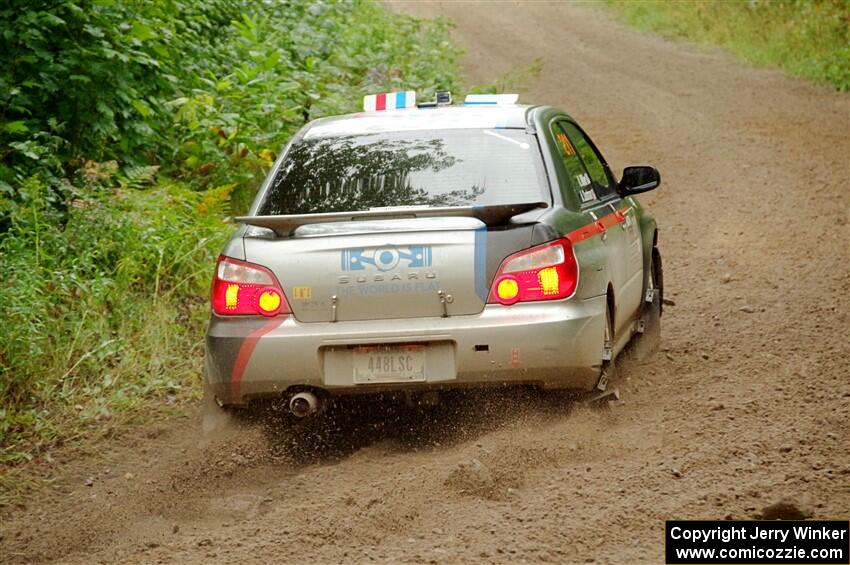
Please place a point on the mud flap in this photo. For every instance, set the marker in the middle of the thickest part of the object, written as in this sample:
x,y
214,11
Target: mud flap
x,y
605,375
603,398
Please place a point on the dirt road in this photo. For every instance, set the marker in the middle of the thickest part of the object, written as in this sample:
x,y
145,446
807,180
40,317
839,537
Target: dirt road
x,y
747,402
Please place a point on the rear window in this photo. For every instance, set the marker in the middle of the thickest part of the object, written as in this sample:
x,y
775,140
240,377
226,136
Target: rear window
x,y
414,168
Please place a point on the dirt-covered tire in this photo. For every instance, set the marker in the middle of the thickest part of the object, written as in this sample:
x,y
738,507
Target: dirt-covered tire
x,y
648,342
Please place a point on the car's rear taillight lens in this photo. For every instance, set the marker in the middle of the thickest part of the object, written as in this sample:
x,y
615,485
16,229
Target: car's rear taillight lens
x,y
244,288
545,272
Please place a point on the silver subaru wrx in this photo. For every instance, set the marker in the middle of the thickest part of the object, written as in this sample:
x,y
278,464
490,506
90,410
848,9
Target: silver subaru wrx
x,y
417,248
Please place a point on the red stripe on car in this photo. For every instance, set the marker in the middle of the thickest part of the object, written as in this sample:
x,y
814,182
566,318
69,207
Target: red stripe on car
x,y
245,352
599,226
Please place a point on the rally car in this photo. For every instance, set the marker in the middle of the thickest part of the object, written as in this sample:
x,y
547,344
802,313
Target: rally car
x,y
420,247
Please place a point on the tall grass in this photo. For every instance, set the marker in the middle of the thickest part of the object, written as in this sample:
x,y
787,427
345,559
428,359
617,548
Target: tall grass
x,y
103,307
808,38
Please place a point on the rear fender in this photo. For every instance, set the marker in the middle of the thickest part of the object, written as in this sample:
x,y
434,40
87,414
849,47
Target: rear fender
x,y
590,253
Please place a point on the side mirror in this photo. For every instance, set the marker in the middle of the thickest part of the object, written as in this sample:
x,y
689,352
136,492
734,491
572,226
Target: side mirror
x,y
638,179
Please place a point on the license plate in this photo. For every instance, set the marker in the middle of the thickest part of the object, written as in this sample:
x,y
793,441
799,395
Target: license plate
x,y
389,363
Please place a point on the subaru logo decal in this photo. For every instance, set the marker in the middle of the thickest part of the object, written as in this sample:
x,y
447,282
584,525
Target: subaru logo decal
x,y
385,258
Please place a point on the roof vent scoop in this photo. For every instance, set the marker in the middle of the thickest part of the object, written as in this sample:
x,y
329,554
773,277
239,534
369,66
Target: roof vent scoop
x,y
443,98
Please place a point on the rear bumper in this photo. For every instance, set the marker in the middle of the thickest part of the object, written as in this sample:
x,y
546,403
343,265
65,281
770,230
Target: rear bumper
x,y
551,344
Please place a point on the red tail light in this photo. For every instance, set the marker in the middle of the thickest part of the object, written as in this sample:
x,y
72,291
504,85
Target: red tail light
x,y
245,288
545,272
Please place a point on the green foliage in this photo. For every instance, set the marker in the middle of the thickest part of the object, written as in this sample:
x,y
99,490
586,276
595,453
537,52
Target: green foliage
x,y
103,305
128,132
94,75
810,38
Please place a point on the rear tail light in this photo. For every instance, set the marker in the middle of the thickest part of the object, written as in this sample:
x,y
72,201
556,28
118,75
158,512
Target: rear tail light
x,y
245,288
545,272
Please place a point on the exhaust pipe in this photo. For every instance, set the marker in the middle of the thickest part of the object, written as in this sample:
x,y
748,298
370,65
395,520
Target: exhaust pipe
x,y
303,404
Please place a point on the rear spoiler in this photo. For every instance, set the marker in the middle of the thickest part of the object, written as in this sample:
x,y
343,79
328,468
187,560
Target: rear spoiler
x,y
490,215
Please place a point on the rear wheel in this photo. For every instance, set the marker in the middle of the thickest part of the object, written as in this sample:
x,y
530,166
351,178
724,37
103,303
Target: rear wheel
x,y
649,340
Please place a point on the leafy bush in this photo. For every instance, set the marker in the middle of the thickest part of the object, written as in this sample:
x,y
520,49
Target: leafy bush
x,y
96,75
810,38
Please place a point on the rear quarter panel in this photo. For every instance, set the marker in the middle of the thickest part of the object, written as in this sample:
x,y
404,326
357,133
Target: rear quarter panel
x,y
591,253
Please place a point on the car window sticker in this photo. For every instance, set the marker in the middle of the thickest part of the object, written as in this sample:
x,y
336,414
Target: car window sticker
x,y
566,146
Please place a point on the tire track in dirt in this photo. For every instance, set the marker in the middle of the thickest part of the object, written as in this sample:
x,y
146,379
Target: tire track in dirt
x,y
747,402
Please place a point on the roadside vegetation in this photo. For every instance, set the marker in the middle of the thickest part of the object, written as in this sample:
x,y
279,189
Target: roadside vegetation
x,y
808,38
129,133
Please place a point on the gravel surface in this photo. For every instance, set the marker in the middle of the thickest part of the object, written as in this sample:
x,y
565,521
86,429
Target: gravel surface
x,y
745,409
